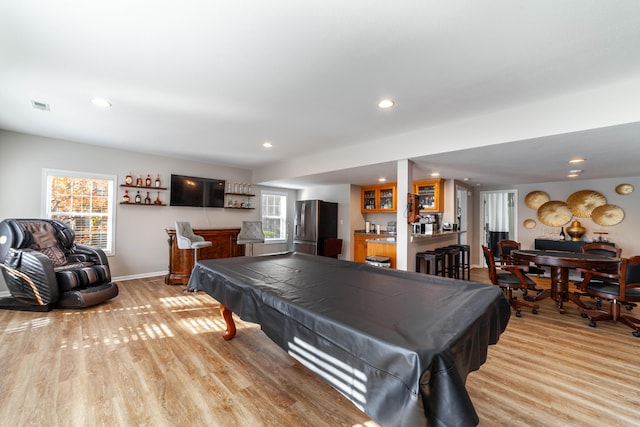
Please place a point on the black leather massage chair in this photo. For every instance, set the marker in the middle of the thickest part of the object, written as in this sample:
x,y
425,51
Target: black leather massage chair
x,y
43,268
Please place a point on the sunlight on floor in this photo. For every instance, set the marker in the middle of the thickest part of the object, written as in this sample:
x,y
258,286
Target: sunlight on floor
x,y
28,325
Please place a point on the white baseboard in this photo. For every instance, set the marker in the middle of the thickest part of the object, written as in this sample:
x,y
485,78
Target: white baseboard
x,y
140,276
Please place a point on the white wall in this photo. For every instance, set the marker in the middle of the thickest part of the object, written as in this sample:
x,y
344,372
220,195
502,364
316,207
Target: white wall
x,y
141,247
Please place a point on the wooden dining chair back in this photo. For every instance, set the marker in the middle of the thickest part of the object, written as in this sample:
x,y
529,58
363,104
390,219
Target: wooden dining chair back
x,y
506,247
620,289
602,249
510,277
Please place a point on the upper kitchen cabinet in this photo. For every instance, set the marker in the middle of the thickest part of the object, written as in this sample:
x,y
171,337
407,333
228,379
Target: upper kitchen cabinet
x,y
379,198
431,194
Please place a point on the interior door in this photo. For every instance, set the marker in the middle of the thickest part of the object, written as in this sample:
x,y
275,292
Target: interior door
x,y
499,217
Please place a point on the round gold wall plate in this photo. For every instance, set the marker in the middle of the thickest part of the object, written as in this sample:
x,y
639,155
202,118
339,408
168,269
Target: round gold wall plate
x,y
529,223
607,215
554,213
624,189
582,203
535,199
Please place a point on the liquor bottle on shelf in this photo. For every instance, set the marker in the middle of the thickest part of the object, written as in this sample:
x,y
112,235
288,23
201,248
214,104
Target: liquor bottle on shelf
x,y
158,183
562,236
147,181
158,201
147,200
139,181
229,187
126,198
138,198
128,179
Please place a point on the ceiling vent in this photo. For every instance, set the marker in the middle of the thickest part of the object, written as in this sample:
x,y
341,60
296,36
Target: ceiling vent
x,y
40,105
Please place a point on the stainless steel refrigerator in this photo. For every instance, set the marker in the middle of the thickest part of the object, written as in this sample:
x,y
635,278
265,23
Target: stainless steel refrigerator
x,y
315,221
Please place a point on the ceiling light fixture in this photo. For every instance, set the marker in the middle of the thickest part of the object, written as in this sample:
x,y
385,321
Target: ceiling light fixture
x,y
573,175
101,102
382,179
40,105
386,103
575,171
267,144
434,174
577,160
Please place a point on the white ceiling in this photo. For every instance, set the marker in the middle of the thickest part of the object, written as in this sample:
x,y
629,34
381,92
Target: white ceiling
x,y
212,80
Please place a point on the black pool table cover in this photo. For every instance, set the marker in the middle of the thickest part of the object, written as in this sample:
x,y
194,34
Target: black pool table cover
x,y
399,345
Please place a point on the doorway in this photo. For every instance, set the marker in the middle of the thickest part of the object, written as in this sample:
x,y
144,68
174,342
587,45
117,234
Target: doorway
x,y
498,218
462,209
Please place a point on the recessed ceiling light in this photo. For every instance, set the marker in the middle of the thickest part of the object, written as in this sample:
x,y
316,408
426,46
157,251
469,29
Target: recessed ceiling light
x,y
573,175
572,171
382,179
267,144
40,105
101,102
466,179
577,160
386,103
435,174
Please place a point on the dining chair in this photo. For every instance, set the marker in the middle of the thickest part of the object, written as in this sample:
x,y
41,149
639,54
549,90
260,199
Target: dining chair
x,y
513,277
622,288
505,247
597,249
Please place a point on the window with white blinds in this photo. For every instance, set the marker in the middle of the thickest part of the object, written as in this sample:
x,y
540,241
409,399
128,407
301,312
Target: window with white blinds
x,y
274,216
84,201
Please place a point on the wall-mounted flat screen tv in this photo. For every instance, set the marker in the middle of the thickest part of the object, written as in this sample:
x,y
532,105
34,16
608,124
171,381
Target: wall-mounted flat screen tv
x,y
198,192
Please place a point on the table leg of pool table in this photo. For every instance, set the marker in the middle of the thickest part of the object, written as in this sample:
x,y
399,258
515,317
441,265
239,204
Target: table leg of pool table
x,y
227,314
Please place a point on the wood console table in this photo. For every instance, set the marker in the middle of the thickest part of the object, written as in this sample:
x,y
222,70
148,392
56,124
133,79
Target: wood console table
x,y
181,260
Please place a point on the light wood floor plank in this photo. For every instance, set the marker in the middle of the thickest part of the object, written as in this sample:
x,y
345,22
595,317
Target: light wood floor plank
x,y
155,357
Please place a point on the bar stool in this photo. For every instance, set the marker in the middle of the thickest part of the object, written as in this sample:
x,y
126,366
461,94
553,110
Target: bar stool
x,y
465,261
452,255
434,262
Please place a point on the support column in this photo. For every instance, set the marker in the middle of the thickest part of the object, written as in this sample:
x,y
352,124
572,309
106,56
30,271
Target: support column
x,y
403,231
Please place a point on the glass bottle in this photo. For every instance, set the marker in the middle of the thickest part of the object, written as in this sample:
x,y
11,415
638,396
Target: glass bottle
x,y
139,181
562,236
158,201
147,200
128,179
138,198
126,198
147,181
158,183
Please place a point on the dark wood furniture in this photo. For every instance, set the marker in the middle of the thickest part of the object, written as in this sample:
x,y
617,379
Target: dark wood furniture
x,y
622,288
512,277
563,245
396,343
560,263
181,260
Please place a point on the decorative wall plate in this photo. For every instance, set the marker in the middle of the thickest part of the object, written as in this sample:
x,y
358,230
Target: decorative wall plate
x,y
554,213
529,223
584,201
607,215
624,189
535,199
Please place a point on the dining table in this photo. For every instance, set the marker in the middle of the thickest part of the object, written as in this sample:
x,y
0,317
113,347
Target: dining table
x,y
560,263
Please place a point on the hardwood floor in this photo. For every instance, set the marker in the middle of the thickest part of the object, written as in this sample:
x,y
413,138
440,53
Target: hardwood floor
x,y
154,357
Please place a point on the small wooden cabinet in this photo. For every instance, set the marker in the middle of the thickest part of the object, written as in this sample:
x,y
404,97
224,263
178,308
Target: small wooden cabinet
x,y
431,194
378,198
181,260
360,247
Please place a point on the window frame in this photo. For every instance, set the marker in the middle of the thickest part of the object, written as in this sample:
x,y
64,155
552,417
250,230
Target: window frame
x,y
283,217
47,179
